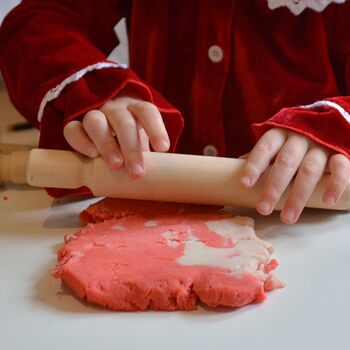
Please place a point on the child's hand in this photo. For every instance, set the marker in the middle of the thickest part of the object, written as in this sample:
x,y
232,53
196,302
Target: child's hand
x,y
119,131
293,154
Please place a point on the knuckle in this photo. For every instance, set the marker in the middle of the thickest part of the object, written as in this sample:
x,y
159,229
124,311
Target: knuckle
x,y
274,191
309,169
91,117
126,123
340,162
263,147
116,110
111,104
151,107
71,126
286,160
277,131
340,169
252,169
113,109
144,106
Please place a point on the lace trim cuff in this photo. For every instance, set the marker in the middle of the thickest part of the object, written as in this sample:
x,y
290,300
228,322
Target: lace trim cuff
x,y
55,92
345,114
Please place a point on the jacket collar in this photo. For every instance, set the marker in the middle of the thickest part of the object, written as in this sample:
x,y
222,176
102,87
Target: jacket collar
x,y
298,6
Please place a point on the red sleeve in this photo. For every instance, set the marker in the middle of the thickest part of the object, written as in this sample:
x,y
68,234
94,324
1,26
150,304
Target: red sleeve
x,y
43,42
327,121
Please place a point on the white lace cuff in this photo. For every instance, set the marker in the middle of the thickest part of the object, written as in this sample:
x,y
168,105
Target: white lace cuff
x,y
298,6
345,114
55,92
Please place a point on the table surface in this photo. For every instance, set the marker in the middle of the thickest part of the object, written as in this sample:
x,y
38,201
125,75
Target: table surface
x,y
36,311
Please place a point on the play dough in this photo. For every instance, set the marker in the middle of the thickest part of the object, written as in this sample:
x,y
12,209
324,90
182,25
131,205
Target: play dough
x,y
111,208
166,257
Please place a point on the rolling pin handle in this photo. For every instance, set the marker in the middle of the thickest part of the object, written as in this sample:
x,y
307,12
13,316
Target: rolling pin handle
x,y
13,167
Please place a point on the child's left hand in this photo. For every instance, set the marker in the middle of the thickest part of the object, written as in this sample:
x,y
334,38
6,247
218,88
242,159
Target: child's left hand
x,y
293,154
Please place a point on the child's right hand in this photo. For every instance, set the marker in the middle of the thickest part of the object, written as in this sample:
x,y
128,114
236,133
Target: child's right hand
x,y
119,131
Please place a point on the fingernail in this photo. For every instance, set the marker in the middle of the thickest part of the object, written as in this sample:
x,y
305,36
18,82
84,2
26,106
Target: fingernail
x,y
247,181
331,199
289,216
264,207
114,160
136,170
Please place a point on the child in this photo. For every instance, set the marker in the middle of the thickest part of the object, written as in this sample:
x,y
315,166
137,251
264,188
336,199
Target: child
x,y
239,71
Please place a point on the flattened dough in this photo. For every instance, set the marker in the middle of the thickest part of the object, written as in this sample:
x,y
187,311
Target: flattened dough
x,y
166,257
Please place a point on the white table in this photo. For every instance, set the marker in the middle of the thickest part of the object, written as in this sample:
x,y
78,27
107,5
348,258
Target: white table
x,y
36,312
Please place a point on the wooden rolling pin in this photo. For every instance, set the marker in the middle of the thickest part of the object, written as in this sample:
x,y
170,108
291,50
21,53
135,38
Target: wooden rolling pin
x,y
169,177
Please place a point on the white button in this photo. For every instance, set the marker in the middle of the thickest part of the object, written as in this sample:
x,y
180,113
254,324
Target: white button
x,y
210,150
215,53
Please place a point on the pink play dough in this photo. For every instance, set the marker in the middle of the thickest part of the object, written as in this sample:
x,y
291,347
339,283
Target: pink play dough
x,y
166,257
111,208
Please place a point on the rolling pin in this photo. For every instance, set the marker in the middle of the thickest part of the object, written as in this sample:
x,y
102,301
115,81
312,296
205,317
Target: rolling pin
x,y
169,177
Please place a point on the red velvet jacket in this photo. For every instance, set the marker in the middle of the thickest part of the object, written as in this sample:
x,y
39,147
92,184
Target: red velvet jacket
x,y
233,68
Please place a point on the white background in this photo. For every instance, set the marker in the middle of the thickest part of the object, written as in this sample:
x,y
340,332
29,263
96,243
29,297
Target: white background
x,y
6,6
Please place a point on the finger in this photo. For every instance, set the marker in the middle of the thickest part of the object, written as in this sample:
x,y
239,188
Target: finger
x,y
127,132
339,167
244,156
144,140
282,172
78,139
261,155
309,174
96,126
150,118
